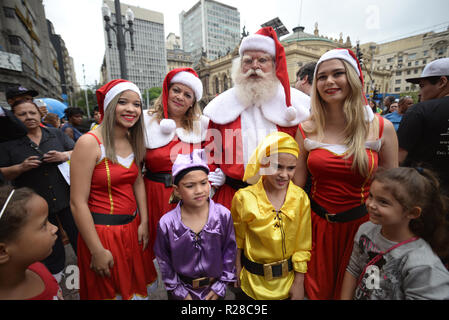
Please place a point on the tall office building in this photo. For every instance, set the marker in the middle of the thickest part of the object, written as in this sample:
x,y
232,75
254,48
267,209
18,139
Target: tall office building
x,y
147,63
211,28
27,56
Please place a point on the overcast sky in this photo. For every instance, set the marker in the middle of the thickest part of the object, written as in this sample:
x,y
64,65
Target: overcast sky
x,y
80,22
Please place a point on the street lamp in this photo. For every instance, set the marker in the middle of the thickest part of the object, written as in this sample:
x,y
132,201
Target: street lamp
x,y
119,28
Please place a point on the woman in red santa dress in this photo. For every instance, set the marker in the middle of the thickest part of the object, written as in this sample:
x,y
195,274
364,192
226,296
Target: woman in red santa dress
x,y
343,144
175,125
108,199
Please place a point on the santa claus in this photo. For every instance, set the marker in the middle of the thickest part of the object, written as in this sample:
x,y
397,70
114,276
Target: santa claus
x,y
260,102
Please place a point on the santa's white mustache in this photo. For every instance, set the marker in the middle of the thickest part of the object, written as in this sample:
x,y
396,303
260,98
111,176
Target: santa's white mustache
x,y
257,72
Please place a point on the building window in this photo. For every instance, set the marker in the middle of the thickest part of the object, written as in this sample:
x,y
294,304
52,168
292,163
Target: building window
x,y
14,40
397,89
9,12
217,86
398,73
398,81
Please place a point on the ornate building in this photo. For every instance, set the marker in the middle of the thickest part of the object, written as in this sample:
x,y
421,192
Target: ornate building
x,y
391,63
176,57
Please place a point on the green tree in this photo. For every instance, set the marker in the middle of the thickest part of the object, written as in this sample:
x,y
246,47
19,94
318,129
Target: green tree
x,y
152,93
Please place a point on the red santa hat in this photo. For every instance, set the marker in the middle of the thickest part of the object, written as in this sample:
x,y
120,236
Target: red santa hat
x,y
185,76
110,90
266,40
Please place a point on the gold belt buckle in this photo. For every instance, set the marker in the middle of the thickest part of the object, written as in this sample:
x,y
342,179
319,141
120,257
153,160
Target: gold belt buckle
x,y
268,271
196,282
327,215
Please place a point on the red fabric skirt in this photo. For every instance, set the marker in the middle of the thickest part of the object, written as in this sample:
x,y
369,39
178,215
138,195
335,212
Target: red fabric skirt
x,y
131,274
332,245
157,201
224,195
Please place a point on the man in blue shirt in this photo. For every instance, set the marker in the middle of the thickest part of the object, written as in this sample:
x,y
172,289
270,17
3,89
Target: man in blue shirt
x,y
396,116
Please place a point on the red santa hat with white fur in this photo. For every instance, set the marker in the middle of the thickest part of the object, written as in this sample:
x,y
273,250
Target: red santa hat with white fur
x,y
110,90
350,57
266,40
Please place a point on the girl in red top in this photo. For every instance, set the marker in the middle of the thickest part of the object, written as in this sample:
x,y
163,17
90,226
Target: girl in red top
x,y
174,126
24,221
344,143
108,199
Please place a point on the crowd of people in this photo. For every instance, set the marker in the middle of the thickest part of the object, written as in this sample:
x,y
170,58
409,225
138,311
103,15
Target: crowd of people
x,y
272,192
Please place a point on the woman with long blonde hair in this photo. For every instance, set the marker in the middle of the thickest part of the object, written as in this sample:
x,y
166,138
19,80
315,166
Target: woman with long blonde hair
x,y
343,144
174,126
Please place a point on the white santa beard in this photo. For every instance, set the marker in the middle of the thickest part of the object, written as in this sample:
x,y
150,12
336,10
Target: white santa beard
x,y
255,91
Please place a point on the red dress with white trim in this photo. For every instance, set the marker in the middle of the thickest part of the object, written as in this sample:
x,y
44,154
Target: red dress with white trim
x,y
111,195
336,188
162,150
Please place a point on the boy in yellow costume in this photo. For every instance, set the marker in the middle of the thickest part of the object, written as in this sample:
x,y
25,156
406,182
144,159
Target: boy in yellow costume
x,y
272,223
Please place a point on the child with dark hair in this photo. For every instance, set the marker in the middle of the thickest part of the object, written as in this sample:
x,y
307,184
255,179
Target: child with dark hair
x,y
397,253
26,237
195,243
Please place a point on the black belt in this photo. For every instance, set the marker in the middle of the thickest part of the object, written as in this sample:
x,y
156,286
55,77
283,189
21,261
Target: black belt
x,y
112,219
345,216
162,177
198,282
272,270
236,184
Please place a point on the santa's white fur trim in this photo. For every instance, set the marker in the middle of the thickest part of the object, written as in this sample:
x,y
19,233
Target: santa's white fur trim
x,y
189,79
258,42
167,126
369,114
291,114
155,137
225,108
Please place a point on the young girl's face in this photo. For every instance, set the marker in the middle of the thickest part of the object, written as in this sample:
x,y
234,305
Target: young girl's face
x,y
129,109
331,81
383,208
194,189
285,169
37,236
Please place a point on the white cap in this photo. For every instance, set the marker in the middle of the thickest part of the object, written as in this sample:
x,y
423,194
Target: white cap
x,y
436,68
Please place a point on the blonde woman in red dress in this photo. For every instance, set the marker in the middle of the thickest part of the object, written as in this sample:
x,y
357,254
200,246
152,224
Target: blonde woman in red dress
x,y
108,199
344,143
174,126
